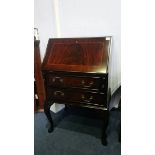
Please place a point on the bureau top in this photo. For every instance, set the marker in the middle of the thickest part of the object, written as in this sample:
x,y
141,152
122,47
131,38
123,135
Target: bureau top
x,y
78,54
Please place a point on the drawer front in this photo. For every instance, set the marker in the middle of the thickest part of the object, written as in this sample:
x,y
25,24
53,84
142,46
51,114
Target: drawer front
x,y
77,82
77,97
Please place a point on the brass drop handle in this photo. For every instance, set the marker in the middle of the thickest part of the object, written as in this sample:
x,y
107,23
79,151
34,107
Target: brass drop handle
x,y
86,99
59,93
59,78
89,85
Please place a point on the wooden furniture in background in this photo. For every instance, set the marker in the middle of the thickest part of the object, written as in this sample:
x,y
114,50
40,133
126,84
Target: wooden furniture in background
x,y
36,102
76,73
39,83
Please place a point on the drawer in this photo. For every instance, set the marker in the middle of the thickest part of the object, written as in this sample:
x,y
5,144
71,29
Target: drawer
x,y
77,82
76,96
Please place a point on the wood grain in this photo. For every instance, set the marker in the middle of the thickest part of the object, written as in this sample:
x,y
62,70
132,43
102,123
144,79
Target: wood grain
x,y
38,76
83,55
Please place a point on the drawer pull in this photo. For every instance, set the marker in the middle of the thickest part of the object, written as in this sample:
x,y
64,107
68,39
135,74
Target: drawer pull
x,y
59,93
61,80
89,85
86,99
57,78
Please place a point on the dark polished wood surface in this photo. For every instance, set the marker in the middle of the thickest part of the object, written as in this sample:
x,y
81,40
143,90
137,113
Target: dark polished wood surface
x,y
77,80
75,71
82,55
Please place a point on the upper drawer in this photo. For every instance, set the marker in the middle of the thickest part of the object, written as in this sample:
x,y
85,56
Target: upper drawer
x,y
77,82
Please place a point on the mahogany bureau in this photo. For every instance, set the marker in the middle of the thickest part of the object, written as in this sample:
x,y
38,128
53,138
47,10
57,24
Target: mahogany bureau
x,y
75,72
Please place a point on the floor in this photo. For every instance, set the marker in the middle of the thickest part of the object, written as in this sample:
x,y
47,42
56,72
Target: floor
x,y
75,133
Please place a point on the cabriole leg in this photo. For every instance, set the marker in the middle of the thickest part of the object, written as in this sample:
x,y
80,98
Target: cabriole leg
x,y
47,105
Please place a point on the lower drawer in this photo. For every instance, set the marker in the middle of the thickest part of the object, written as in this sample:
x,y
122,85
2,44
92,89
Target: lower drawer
x,y
76,96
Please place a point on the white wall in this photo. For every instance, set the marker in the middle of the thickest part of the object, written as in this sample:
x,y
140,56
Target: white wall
x,y
44,21
82,18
